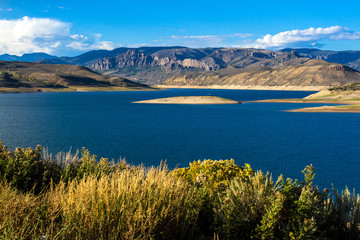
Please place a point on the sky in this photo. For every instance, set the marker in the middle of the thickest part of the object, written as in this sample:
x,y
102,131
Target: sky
x,y
72,27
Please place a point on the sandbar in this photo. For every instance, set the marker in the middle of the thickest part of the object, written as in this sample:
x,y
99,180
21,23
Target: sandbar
x,y
190,100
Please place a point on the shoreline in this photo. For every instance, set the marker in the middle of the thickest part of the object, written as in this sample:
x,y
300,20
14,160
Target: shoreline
x,y
73,89
236,87
159,87
190,100
343,107
329,109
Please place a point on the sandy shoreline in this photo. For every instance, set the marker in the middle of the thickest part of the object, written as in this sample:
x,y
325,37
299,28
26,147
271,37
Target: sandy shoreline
x,y
329,109
280,88
190,100
73,89
345,107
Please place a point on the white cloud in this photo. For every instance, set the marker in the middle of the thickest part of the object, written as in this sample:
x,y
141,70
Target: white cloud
x,y
207,40
27,35
304,38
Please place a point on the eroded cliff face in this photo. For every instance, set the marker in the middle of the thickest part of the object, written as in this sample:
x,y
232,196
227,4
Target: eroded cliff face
x,y
310,73
135,58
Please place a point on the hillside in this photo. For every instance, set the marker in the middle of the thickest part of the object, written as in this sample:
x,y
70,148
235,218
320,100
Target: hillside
x,y
152,65
29,77
308,73
348,58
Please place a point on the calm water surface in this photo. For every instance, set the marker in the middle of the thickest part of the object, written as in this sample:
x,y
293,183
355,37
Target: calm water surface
x,y
262,134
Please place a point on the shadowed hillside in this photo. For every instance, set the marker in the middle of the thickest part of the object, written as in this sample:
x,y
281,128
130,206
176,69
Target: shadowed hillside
x,y
32,76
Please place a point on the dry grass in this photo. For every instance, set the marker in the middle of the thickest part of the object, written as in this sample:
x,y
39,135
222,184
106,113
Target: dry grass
x,y
130,204
19,214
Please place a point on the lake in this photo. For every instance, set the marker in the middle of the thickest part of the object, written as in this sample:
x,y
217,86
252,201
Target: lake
x,y
261,134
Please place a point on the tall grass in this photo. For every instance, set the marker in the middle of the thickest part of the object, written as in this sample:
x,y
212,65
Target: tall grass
x,y
129,204
22,215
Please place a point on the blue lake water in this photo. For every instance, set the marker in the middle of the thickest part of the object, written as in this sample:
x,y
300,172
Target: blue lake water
x,y
262,134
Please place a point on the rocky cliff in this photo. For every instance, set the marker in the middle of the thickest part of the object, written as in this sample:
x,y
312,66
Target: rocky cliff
x,y
152,65
310,73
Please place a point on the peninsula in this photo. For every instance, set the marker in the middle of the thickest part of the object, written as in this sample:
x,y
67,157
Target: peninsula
x,y
190,100
348,98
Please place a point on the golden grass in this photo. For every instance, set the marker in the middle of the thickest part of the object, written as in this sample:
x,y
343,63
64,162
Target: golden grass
x,y
130,204
18,214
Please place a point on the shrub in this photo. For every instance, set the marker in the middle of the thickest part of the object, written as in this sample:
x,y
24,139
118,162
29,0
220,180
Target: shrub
x,y
29,170
25,170
88,165
213,174
296,212
342,212
242,206
212,178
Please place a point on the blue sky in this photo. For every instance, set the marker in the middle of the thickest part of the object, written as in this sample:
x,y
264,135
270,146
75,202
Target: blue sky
x,y
65,27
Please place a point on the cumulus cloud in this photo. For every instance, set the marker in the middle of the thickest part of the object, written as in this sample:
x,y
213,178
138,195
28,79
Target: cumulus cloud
x,y
304,38
27,35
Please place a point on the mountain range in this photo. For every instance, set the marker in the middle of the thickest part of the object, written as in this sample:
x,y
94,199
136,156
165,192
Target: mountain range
x,y
162,65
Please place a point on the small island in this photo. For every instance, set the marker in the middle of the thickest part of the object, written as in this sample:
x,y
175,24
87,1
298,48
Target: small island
x,y
191,100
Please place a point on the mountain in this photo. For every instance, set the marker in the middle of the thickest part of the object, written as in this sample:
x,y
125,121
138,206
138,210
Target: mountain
x,y
30,57
348,58
310,73
153,65
33,76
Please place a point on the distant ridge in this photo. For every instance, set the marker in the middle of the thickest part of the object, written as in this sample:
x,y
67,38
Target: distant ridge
x,y
29,57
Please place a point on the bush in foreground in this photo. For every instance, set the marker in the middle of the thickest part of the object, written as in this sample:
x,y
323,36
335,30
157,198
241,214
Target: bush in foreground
x,y
86,198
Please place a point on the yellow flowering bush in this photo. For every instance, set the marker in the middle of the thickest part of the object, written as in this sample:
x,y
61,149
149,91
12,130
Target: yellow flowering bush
x,y
214,175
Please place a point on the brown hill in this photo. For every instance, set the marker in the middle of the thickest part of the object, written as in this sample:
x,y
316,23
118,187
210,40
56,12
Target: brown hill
x,y
28,75
306,73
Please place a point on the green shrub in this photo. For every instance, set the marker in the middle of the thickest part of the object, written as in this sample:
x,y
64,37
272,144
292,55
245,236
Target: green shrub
x,y
24,169
342,212
296,212
88,165
212,178
242,206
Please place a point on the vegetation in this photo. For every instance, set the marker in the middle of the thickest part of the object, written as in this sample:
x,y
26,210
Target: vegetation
x,y
348,87
78,196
